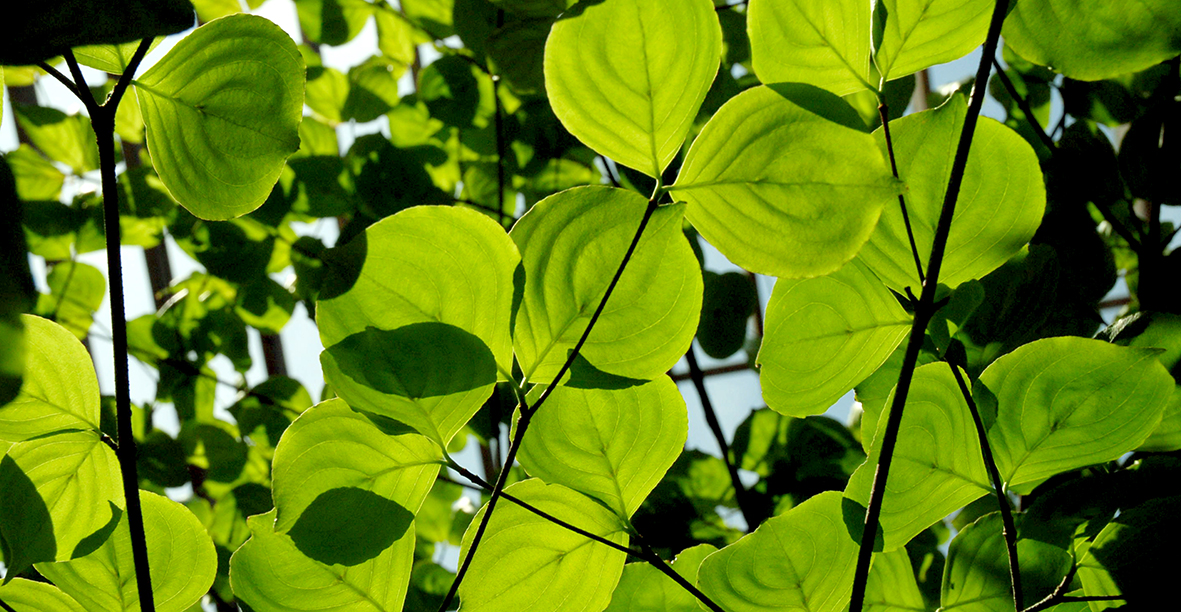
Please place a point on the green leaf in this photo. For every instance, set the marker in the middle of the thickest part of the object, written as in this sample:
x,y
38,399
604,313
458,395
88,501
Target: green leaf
x,y
332,22
270,574
222,111
892,586
783,191
569,573
427,264
113,59
614,445
999,208
643,588
434,16
571,245
1093,40
60,390
627,77
1064,403
1125,556
27,596
726,306
976,577
824,335
180,554
63,138
49,29
60,491
803,558
937,465
36,177
919,34
76,293
331,447
823,43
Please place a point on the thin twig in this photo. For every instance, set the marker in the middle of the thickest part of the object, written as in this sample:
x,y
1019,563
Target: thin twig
x,y
711,419
53,72
1118,226
527,412
1023,104
1009,529
884,114
103,121
924,311
6,607
81,89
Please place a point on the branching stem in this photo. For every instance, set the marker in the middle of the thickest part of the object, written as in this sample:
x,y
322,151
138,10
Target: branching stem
x,y
527,412
1023,104
103,120
924,310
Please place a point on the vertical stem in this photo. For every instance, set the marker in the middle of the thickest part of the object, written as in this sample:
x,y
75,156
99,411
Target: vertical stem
x,y
711,419
103,121
1009,529
924,310
884,112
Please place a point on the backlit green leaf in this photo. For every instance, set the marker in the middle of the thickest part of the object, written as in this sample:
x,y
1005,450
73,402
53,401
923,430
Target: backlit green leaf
x,y
222,111
180,554
801,559
999,207
937,466
60,389
569,573
27,596
1092,39
783,191
63,138
332,22
976,577
643,588
331,447
426,264
1125,556
921,33
59,491
823,43
270,574
824,335
571,246
76,293
1064,403
110,58
36,177
891,586
627,77
614,445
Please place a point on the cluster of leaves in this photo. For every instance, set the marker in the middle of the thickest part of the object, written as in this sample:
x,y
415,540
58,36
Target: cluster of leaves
x,y
524,248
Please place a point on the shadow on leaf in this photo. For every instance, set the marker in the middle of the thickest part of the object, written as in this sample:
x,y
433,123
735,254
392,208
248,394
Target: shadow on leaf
x,y
349,526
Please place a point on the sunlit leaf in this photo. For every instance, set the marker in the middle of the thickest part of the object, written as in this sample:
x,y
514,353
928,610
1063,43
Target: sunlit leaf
x,y
891,586
781,190
62,495
180,554
919,34
824,335
823,43
801,559
110,58
76,293
999,207
571,246
1064,403
332,22
63,138
222,112
569,573
1091,39
60,390
643,588
627,77
937,466
27,596
614,445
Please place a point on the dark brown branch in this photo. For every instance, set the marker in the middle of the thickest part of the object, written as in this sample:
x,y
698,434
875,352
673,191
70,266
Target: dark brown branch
x,y
924,310
1023,104
53,72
